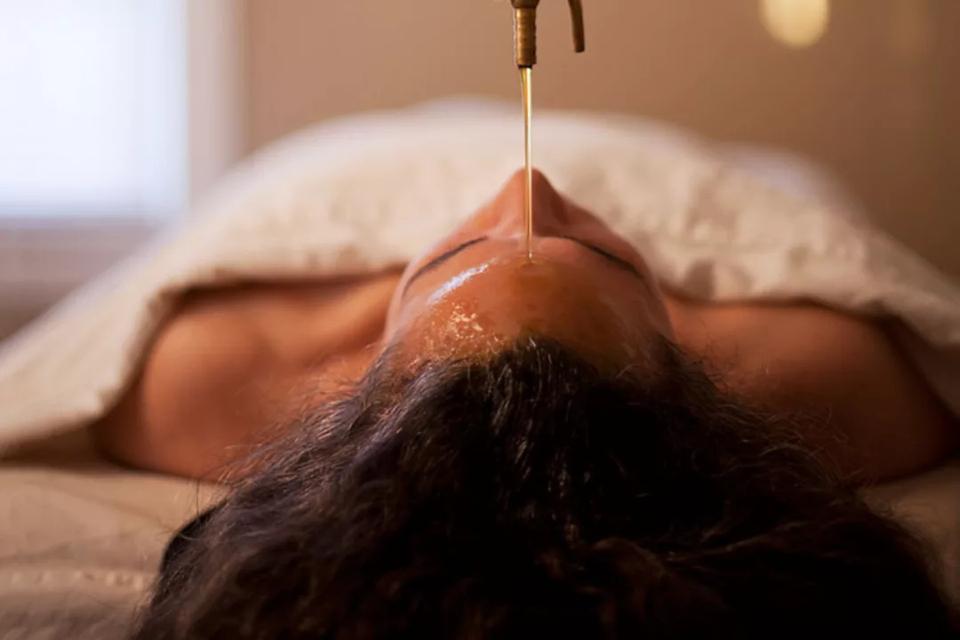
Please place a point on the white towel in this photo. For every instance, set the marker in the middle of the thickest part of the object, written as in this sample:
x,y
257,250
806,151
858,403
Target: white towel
x,y
371,191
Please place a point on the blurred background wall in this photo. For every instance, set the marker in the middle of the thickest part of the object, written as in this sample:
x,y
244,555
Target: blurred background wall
x,y
868,88
874,94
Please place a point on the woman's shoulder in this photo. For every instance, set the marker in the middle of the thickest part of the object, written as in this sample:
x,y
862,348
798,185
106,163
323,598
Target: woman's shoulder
x,y
750,335
222,366
842,371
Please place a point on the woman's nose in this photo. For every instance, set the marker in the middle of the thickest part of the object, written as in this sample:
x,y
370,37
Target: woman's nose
x,y
551,213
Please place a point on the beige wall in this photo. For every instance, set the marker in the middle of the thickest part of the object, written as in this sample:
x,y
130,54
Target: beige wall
x,y
877,99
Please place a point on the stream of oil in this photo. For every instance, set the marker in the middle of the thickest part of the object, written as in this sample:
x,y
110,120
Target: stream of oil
x,y
527,92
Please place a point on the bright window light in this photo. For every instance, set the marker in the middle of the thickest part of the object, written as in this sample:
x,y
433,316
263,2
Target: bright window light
x,y
93,121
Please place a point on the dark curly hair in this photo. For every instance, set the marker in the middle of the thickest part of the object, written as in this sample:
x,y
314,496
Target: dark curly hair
x,y
529,495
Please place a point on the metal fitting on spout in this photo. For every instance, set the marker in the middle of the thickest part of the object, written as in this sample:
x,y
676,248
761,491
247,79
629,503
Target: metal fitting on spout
x,y
525,30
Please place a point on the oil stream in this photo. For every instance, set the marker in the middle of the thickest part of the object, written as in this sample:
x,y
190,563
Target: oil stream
x,y
527,96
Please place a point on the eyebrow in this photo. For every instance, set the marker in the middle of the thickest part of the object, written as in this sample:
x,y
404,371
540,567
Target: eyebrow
x,y
440,259
615,259
446,255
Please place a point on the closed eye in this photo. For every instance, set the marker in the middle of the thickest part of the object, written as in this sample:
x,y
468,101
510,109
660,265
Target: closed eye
x,y
446,255
440,259
617,260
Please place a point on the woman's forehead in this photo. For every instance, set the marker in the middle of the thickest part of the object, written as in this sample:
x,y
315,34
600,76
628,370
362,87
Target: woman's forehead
x,y
481,311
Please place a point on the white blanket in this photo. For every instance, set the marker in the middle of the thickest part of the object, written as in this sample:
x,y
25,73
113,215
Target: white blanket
x,y
371,191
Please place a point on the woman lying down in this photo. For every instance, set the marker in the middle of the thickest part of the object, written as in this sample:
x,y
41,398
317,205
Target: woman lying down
x,y
488,447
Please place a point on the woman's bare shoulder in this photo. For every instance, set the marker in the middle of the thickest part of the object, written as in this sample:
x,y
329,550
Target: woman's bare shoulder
x,y
220,369
879,417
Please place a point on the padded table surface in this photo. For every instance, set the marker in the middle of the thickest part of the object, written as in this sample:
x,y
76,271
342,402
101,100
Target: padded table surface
x,y
82,538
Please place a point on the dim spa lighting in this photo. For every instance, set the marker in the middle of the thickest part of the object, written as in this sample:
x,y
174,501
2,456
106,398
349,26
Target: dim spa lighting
x,y
795,23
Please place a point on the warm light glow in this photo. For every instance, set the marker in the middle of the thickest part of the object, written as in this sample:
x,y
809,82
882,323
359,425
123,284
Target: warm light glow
x,y
795,23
